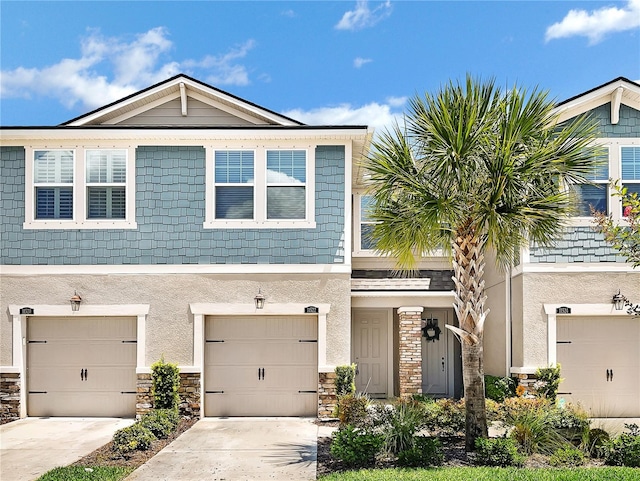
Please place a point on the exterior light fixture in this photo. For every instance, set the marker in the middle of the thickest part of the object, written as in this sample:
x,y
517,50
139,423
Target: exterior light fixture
x,y
259,299
75,302
620,302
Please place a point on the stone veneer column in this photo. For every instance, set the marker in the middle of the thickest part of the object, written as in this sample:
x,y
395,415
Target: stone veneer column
x,y
9,397
327,397
410,362
188,392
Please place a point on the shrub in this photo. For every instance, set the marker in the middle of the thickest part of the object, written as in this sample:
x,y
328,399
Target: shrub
x,y
568,457
501,452
161,422
345,379
596,442
532,426
571,421
625,449
445,417
401,425
548,382
352,409
499,388
355,447
132,438
425,452
166,382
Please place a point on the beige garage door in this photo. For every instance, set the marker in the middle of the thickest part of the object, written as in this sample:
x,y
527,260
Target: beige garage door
x,y
600,364
81,366
261,366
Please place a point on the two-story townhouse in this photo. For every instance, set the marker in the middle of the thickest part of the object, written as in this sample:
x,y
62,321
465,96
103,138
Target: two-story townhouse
x,y
182,222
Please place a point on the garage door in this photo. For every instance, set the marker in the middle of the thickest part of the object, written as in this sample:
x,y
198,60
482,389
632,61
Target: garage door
x,y
600,364
81,366
261,366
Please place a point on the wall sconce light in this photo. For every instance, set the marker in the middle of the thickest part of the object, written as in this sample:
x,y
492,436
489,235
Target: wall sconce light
x,y
620,302
259,299
75,301
431,331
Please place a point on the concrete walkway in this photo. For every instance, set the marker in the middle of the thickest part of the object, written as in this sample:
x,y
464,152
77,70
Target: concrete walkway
x,y
237,449
30,447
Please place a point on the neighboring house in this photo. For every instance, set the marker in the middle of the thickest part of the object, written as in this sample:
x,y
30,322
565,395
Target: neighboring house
x,y
173,211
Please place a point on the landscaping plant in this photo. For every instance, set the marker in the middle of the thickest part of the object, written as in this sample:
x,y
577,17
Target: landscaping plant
x,y
352,409
499,388
425,452
445,417
401,424
166,382
500,452
132,438
345,379
354,446
595,443
625,449
568,457
548,382
161,422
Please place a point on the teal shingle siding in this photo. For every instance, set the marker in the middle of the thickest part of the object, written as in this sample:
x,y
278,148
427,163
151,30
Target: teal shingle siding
x,y
627,126
579,244
170,211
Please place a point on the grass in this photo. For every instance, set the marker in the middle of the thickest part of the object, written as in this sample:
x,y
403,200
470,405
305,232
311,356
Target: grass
x,y
80,473
488,474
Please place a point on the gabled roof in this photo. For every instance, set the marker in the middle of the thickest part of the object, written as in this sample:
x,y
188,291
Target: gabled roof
x,y
180,87
618,91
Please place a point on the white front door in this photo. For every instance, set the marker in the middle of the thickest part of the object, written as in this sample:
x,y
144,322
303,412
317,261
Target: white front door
x,y
261,366
370,351
435,360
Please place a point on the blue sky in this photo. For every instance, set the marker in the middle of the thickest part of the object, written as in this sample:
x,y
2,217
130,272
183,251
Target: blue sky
x,y
342,62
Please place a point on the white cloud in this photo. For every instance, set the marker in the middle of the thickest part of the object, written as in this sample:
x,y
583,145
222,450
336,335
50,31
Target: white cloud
x,y
135,62
597,23
359,61
378,116
396,101
362,17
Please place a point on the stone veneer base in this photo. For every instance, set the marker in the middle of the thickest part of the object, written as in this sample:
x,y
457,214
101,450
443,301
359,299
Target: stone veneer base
x,y
9,397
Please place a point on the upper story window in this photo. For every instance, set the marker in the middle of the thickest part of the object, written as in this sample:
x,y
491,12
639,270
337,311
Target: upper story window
x,y
363,225
79,189
630,175
260,188
595,196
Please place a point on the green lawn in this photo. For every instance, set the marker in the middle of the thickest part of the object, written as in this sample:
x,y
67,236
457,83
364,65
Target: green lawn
x,y
488,474
78,473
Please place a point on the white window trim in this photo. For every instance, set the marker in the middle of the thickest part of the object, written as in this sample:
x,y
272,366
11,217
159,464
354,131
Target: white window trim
x,y
358,251
79,220
623,181
579,220
260,220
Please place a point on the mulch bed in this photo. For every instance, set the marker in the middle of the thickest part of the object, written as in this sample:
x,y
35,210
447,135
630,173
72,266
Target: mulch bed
x,y
104,456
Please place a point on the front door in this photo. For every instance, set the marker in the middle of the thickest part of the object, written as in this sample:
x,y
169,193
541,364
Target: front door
x,y
435,361
370,351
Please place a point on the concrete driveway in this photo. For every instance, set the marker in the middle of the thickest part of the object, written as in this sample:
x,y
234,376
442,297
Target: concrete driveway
x,y
30,447
237,449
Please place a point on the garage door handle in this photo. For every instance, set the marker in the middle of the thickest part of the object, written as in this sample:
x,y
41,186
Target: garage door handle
x,y
83,374
260,374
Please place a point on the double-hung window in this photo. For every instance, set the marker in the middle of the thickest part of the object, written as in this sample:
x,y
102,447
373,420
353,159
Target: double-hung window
x,y
260,187
366,224
80,188
53,184
630,159
106,179
597,195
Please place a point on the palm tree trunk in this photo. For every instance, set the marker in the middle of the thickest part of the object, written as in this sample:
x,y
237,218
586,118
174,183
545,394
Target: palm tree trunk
x,y
468,268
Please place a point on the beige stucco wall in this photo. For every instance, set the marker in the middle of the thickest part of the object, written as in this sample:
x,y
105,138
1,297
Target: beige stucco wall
x,y
169,325
495,328
565,288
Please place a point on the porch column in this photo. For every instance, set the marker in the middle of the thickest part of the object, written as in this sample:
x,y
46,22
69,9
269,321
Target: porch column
x,y
410,362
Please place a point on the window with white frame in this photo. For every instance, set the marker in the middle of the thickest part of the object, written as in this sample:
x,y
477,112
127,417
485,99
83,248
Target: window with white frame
x,y
79,188
366,224
286,184
106,179
630,174
234,179
53,184
596,196
260,187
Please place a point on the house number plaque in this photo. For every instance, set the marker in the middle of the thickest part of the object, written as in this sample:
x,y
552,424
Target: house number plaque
x,y
563,310
311,310
26,310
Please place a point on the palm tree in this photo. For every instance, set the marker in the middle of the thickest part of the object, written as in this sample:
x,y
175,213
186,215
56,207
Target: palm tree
x,y
475,168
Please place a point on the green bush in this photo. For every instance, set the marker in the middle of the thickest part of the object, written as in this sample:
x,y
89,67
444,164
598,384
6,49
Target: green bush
x,y
567,457
571,422
548,382
355,447
625,449
161,422
501,452
499,388
534,432
345,379
425,452
132,438
352,409
401,425
596,442
166,382
445,417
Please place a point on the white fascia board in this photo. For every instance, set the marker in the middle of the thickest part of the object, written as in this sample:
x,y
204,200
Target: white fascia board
x,y
579,267
415,294
177,136
208,309
84,311
28,270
